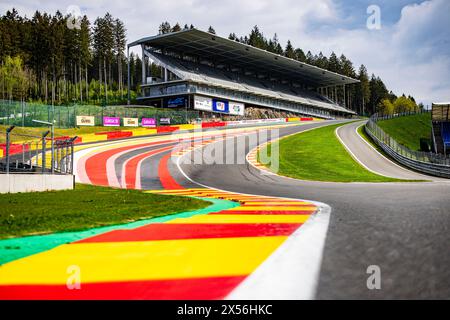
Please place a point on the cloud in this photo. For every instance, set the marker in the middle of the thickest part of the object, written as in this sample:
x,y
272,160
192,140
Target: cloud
x,y
410,52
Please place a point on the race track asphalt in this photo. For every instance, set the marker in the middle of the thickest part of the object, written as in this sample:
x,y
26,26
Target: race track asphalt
x,y
404,228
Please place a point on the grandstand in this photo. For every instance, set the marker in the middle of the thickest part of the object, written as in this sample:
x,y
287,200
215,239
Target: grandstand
x,y
203,71
440,118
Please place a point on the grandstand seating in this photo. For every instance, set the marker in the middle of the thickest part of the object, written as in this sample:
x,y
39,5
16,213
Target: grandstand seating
x,y
446,134
200,73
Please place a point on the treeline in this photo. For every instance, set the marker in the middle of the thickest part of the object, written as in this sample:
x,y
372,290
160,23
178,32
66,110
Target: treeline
x,y
398,105
58,59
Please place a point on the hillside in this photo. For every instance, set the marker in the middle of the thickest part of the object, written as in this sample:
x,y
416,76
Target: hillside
x,y
408,130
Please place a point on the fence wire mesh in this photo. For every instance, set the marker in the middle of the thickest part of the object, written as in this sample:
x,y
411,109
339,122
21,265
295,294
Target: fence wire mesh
x,y
22,113
426,157
24,153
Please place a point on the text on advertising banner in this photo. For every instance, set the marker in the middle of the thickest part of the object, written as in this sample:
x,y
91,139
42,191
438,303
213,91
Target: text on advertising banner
x,y
130,122
111,121
148,122
202,103
85,120
164,120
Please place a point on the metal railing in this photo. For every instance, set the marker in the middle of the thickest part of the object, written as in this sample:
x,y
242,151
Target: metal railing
x,y
426,162
27,153
22,114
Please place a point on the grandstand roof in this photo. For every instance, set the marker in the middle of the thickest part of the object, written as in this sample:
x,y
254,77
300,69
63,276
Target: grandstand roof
x,y
224,51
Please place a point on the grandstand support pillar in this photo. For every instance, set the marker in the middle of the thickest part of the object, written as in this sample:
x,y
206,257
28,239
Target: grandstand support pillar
x,y
128,76
165,74
335,94
345,105
144,76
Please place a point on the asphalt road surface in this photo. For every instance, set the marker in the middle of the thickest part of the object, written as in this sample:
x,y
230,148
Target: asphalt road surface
x,y
404,228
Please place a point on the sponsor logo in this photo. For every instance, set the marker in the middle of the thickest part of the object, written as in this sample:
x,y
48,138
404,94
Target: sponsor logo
x,y
148,122
130,122
164,121
175,102
85,120
220,106
111,121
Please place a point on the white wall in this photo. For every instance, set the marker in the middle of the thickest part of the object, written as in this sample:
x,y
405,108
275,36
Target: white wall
x,y
13,183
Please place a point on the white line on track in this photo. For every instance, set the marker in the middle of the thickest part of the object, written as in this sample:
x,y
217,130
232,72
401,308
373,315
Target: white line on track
x,y
381,155
336,133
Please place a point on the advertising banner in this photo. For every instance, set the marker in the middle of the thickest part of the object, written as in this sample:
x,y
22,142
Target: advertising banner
x,y
220,106
175,102
203,103
148,122
130,122
85,120
164,120
236,108
256,121
111,121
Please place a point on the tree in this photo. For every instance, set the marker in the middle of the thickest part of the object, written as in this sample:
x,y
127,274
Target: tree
x,y
120,42
256,39
334,64
378,92
14,78
289,51
85,53
300,55
321,61
310,58
176,27
404,104
385,107
165,28
363,89
211,30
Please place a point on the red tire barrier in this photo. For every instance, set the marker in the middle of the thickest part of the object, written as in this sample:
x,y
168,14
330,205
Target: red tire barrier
x,y
14,148
167,129
213,124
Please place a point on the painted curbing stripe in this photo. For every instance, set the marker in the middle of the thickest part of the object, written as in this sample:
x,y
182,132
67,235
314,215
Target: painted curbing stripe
x,y
155,232
292,271
210,288
143,260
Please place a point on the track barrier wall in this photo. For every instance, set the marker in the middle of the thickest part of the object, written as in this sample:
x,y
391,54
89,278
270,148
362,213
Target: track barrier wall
x,y
425,162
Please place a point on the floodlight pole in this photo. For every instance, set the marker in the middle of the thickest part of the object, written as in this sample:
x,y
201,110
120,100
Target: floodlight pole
x,y
128,76
44,135
52,128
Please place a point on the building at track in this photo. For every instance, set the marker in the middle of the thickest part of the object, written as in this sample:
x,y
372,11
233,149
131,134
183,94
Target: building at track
x,y
202,71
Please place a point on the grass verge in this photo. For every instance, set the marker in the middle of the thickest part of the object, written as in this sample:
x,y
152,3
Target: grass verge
x,y
318,155
408,130
362,132
83,208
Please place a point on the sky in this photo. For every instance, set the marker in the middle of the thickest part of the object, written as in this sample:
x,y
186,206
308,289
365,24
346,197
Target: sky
x,y
410,50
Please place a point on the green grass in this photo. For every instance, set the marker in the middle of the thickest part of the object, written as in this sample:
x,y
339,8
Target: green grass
x,y
85,207
37,131
318,155
362,132
408,130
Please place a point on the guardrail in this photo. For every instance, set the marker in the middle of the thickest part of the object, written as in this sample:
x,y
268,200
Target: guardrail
x,y
25,153
426,162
